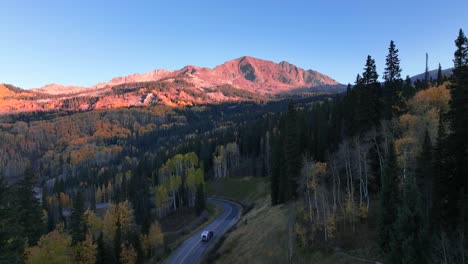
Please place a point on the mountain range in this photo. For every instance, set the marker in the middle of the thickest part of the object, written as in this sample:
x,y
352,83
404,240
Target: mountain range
x,y
242,79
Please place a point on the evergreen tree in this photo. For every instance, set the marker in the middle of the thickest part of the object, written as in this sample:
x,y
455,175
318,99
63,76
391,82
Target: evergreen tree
x,y
101,250
93,198
392,71
410,237
389,200
461,54
5,212
370,75
457,139
292,154
442,181
11,244
440,78
200,201
367,92
392,91
139,197
78,225
408,89
419,85
358,80
349,111
424,174
277,170
118,239
28,211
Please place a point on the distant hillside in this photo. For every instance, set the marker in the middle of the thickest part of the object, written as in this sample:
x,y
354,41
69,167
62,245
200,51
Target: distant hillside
x,y
432,74
10,91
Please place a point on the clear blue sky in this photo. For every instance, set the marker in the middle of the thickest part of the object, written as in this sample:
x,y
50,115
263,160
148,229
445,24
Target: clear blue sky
x,y
85,42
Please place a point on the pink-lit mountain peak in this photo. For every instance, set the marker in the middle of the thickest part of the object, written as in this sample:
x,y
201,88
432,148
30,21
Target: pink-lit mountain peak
x,y
246,73
241,79
256,74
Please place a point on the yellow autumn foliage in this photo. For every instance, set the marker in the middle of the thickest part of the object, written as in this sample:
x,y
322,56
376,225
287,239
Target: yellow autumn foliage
x,y
152,240
128,254
53,248
331,225
85,251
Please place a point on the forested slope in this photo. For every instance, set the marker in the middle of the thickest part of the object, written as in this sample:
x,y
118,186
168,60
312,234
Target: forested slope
x,y
385,162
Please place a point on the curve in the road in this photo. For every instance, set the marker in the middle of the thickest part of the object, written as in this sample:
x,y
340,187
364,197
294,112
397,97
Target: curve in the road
x,y
193,249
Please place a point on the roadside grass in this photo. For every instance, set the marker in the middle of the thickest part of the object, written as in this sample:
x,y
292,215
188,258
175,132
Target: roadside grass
x,y
319,257
259,237
245,190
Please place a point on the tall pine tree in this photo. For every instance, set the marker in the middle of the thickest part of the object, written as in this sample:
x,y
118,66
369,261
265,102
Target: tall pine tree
x,y
275,173
101,250
458,139
367,92
139,197
11,241
29,215
410,235
292,154
78,226
389,200
392,70
200,201
440,77
392,91
370,75
408,89
442,182
424,174
278,169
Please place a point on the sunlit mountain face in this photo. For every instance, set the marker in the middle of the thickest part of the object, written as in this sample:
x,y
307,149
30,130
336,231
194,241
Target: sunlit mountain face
x,y
242,79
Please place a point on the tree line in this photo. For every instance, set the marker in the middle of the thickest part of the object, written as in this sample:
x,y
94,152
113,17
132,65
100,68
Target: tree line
x,y
394,150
